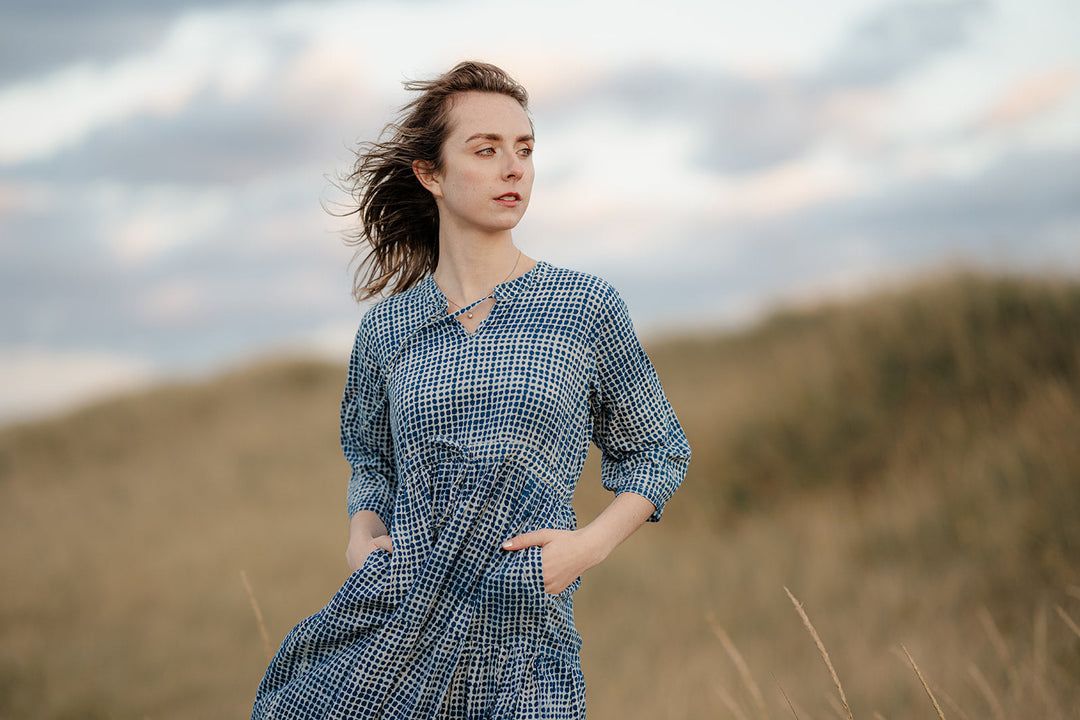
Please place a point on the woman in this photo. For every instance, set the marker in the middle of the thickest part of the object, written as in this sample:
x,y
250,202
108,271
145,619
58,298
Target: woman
x,y
473,392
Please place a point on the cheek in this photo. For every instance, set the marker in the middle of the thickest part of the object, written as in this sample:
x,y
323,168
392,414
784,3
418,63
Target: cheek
x,y
466,182
474,177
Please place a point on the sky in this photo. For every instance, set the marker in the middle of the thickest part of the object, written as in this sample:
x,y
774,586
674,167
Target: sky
x,y
166,167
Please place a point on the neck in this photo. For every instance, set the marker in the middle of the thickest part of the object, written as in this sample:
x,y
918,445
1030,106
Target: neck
x,y
470,267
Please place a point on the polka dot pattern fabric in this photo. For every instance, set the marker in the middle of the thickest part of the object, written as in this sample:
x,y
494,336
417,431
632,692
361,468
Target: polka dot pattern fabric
x,y
458,441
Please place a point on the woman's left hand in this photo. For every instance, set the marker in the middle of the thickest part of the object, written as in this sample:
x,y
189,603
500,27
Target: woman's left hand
x,y
566,554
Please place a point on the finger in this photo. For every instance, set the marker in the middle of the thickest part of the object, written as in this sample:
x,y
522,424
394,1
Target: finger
x,y
529,539
384,542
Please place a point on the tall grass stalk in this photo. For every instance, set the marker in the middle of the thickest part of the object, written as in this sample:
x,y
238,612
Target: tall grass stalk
x,y
997,641
740,665
1068,620
258,615
1039,643
984,688
821,649
926,687
953,706
730,704
786,698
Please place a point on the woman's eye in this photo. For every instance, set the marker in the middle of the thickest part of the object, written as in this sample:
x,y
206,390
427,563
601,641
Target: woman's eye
x,y
486,151
525,152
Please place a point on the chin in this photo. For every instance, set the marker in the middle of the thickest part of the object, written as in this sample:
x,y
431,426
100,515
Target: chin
x,y
507,224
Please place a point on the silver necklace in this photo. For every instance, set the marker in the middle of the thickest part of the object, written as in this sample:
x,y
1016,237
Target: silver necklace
x,y
489,295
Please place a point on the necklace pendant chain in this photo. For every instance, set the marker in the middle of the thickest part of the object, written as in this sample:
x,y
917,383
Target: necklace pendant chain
x,y
490,295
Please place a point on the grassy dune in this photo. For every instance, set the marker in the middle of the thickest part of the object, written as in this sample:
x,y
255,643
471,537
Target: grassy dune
x,y
908,465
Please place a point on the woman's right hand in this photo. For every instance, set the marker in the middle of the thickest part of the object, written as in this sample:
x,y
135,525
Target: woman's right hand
x,y
366,533
360,547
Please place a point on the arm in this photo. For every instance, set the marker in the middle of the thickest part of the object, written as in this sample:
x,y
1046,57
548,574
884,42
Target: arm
x,y
367,442
569,553
366,533
644,451
643,447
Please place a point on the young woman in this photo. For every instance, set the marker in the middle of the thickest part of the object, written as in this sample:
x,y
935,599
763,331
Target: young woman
x,y
473,392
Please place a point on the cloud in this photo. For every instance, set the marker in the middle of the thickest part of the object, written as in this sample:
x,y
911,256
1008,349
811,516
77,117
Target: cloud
x,y
217,55
752,122
162,201
260,271
744,124
1007,216
1030,97
900,37
39,37
44,36
1021,212
213,140
254,115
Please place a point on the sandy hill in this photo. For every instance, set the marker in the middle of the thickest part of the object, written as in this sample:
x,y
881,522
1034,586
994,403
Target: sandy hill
x,y
907,464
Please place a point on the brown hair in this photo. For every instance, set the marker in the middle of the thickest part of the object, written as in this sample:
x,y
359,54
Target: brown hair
x,y
398,237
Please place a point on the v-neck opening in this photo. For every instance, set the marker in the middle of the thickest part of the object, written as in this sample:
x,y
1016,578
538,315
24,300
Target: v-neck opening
x,y
501,293
456,315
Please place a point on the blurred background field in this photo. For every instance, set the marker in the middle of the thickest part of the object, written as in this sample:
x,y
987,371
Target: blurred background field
x,y
899,452
906,462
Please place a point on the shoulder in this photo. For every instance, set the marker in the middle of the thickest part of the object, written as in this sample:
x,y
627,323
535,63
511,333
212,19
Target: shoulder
x,y
391,319
390,310
585,301
577,286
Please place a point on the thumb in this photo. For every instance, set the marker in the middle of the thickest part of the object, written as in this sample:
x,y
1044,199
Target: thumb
x,y
529,539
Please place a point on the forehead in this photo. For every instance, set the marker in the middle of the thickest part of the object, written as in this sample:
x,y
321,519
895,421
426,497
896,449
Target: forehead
x,y
482,112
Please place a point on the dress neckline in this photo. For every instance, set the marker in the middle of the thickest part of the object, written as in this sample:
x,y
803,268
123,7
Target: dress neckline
x,y
502,292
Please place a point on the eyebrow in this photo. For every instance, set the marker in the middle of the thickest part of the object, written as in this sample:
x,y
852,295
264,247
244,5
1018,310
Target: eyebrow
x,y
495,137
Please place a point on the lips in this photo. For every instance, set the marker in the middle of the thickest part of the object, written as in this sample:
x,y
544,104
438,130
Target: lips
x,y
510,199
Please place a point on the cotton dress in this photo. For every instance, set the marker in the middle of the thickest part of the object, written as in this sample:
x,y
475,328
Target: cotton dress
x,y
459,441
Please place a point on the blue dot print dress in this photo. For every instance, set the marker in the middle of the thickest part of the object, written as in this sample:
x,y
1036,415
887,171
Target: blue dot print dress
x,y
459,441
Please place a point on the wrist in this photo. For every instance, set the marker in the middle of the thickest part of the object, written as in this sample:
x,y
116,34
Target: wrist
x,y
366,525
596,545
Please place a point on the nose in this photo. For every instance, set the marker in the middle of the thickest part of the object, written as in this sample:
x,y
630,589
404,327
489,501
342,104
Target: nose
x,y
514,167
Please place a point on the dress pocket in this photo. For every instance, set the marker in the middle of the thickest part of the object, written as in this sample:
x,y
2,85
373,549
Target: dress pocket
x,y
539,560
373,558
532,570
515,579
361,601
369,575
567,591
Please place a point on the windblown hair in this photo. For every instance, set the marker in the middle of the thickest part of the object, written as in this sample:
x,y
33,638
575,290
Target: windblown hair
x,y
397,239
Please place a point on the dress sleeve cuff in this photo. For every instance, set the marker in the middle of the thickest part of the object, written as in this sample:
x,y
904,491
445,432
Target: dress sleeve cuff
x,y
655,483
363,496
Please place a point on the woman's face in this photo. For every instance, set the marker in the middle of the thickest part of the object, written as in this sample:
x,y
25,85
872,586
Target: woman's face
x,y
487,171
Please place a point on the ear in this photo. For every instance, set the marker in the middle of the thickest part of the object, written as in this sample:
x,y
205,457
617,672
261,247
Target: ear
x,y
427,177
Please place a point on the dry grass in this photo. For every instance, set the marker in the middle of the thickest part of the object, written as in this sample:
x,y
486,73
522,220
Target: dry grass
x,y
984,687
258,616
740,664
899,462
821,649
929,693
1069,622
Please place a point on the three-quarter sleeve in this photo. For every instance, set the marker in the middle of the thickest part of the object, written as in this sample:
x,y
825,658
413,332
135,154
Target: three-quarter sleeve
x,y
644,449
366,437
